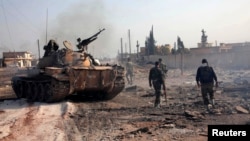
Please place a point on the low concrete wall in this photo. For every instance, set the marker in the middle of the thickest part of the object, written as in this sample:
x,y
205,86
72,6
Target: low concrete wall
x,y
233,60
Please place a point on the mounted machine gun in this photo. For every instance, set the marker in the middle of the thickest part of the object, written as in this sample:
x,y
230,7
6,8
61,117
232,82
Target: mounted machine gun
x,y
82,44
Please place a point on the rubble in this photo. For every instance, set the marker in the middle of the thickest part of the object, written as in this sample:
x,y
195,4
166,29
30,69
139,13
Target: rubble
x,y
241,110
194,115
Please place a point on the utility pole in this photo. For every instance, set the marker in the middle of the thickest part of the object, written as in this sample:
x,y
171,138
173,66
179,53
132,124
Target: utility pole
x,y
121,51
137,46
129,42
147,49
175,54
38,49
125,52
181,62
181,48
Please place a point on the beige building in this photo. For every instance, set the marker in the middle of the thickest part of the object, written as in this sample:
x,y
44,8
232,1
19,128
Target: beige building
x,y
20,59
200,45
204,50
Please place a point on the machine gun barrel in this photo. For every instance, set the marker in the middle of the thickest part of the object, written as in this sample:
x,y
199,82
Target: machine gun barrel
x,y
97,33
85,42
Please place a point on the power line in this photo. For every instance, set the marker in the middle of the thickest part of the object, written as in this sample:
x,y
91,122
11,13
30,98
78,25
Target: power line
x,y
28,24
7,23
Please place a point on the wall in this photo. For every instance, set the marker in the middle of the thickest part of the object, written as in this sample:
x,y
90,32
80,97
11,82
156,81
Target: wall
x,y
231,60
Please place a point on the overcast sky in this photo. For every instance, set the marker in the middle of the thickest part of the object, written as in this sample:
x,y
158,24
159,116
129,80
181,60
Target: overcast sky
x,y
23,22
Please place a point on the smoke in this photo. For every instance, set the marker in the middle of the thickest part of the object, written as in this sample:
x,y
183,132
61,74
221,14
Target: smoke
x,y
83,20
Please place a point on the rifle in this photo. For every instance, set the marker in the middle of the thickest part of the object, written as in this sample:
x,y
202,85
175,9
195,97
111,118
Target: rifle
x,y
165,95
164,91
85,42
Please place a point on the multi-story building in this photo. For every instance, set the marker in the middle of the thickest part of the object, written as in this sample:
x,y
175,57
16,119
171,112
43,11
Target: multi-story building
x,y
20,59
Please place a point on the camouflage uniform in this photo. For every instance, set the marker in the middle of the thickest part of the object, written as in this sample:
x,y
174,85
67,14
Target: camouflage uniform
x,y
129,72
157,78
205,78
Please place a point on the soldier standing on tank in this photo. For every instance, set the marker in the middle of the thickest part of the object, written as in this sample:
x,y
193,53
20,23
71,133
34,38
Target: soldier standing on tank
x,y
205,78
156,78
51,47
163,68
129,71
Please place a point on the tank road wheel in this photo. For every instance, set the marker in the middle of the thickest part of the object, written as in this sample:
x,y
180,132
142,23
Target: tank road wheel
x,y
41,92
48,92
99,95
14,84
20,91
59,90
33,92
29,87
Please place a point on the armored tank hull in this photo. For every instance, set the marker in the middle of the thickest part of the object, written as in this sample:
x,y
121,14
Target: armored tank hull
x,y
54,84
64,72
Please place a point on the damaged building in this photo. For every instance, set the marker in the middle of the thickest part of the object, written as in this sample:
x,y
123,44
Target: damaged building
x,y
18,59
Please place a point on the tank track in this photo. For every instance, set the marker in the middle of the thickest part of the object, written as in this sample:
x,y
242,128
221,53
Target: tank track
x,y
119,83
41,90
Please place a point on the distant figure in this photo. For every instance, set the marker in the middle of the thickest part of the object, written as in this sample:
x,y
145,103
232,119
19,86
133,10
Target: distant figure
x,y
157,79
51,47
205,78
83,48
129,71
83,44
163,68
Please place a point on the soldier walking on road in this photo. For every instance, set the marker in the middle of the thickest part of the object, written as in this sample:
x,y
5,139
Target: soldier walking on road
x,y
157,78
205,78
129,71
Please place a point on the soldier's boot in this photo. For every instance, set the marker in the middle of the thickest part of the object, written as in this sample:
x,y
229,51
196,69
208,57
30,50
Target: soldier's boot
x,y
128,82
131,81
208,108
127,79
157,105
213,103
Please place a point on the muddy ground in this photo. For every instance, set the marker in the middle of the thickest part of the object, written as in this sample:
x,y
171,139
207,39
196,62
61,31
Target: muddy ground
x,y
130,115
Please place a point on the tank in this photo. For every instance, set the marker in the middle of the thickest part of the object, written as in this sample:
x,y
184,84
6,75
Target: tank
x,y
64,72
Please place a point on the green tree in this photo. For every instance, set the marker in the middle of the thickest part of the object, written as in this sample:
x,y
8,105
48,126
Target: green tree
x,y
150,43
